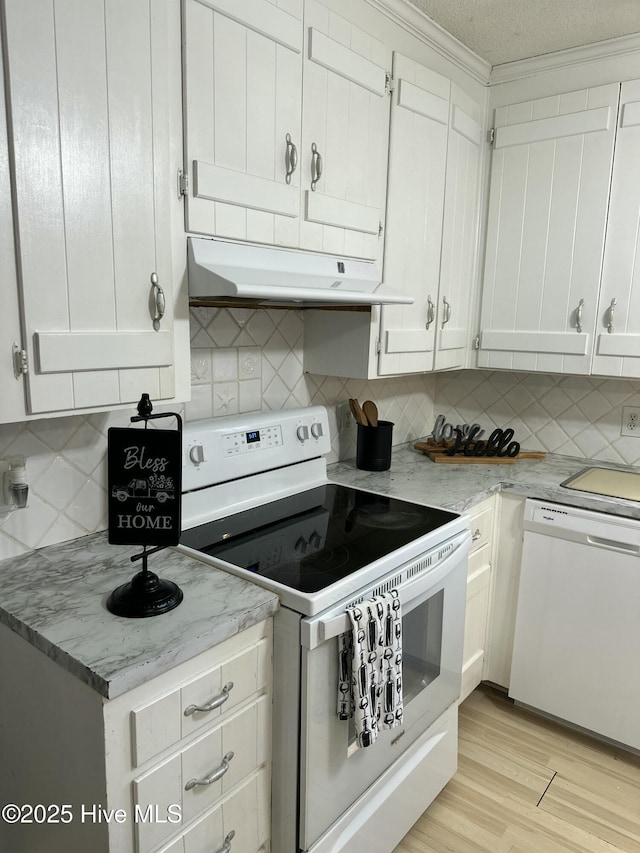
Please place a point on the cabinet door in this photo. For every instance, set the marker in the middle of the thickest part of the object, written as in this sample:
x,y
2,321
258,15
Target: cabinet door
x,y
345,118
11,383
90,119
243,97
460,230
415,204
617,350
550,175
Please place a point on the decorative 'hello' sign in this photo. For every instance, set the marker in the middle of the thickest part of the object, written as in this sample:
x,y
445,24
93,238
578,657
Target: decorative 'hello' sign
x,y
145,486
466,440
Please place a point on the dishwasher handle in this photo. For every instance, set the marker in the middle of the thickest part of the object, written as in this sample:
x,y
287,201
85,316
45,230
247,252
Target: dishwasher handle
x,y
613,545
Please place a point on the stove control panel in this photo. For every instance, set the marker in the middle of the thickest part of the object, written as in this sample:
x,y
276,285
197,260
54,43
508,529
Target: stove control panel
x,y
251,441
224,449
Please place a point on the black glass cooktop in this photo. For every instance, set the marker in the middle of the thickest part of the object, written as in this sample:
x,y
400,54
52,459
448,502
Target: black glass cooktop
x,y
312,539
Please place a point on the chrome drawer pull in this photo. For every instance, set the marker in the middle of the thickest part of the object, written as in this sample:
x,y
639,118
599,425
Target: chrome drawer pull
x,y
610,327
476,534
212,704
431,312
447,311
216,774
158,301
226,847
579,316
316,166
291,158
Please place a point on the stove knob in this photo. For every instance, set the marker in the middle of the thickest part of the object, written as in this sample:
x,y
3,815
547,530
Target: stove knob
x,y
316,430
315,540
197,454
301,546
302,432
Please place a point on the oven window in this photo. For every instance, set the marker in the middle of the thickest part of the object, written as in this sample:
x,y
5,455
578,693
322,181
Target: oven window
x,y
421,651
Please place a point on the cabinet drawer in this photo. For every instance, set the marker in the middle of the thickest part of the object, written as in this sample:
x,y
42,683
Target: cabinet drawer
x,y
482,526
230,752
242,671
245,814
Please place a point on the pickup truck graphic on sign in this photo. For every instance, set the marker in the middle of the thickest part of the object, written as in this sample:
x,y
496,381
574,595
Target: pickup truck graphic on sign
x,y
160,488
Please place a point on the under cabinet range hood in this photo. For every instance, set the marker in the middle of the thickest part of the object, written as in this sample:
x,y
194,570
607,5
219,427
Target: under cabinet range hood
x,y
220,271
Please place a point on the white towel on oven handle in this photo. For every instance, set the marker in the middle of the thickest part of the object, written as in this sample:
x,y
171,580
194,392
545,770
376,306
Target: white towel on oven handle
x,y
370,667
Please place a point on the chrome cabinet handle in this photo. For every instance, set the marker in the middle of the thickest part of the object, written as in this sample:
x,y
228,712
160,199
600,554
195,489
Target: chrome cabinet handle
x,y
216,774
212,704
159,301
579,316
447,312
431,312
476,535
610,326
291,158
226,847
316,166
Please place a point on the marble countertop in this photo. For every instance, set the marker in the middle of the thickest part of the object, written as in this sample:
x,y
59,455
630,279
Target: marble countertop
x,y
55,599
414,477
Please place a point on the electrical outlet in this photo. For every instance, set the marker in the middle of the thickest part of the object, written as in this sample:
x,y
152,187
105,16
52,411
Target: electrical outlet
x,y
344,416
630,421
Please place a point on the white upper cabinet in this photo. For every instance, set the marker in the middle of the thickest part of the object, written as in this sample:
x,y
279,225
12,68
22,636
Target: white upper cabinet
x,y
431,233
242,113
459,255
617,344
415,208
90,88
345,136
278,149
550,176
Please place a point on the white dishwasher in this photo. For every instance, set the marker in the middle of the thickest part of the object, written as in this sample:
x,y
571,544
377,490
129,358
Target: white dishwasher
x,y
576,652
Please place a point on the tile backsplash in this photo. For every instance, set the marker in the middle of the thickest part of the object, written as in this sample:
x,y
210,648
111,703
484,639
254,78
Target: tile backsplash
x,y
573,415
242,360
246,360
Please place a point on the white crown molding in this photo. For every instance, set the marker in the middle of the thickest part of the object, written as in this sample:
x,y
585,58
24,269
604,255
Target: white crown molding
x,y
420,25
562,59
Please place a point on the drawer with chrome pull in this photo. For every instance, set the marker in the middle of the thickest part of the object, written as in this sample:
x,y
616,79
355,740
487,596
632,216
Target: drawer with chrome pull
x,y
163,722
206,771
239,823
482,524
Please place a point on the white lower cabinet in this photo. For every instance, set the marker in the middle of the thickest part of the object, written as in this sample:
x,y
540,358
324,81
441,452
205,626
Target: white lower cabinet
x,y
505,579
179,764
478,585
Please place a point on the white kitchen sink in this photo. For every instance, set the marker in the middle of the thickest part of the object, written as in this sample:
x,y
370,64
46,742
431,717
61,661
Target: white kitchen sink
x,y
606,481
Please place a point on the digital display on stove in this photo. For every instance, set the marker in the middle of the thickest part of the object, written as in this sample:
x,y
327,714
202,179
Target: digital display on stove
x,y
312,539
253,436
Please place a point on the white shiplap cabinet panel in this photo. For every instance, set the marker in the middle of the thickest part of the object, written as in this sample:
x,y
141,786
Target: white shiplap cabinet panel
x,y
432,220
460,230
550,176
346,116
88,118
415,209
243,98
617,344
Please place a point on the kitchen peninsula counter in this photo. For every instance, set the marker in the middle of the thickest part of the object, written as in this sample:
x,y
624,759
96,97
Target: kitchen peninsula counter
x,y
55,599
458,487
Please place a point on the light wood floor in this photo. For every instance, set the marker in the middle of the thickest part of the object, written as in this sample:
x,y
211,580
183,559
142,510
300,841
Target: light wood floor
x,y
526,785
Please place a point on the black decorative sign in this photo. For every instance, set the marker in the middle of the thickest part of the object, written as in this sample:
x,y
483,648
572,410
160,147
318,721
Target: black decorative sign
x,y
145,485
499,443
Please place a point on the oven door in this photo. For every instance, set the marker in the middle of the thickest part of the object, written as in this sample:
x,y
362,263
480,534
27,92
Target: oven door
x,y
334,772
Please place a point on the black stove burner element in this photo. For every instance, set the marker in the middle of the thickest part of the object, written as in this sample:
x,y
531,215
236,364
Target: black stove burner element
x,y
313,539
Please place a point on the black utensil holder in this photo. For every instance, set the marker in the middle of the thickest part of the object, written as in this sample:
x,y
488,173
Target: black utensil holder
x,y
373,452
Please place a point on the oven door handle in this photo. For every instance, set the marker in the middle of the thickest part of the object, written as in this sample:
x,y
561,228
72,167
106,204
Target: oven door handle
x,y
318,629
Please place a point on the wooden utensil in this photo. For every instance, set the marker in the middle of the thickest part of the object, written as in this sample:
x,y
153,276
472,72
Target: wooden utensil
x,y
357,412
371,412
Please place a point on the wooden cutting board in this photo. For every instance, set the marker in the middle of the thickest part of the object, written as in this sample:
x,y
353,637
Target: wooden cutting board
x,y
436,452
